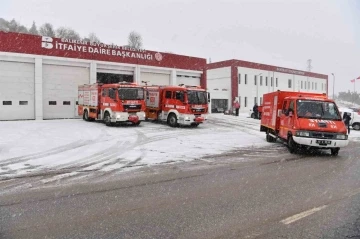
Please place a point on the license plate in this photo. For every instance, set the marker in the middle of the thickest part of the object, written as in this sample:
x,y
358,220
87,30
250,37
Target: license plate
x,y
323,142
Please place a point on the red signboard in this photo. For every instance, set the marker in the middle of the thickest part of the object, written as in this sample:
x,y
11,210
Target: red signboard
x,y
47,46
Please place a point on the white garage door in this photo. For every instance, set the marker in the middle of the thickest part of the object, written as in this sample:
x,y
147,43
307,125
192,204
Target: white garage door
x,y
188,80
60,84
17,100
155,78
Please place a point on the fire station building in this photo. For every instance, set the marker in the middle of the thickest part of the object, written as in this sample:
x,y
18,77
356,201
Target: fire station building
x,y
39,76
248,81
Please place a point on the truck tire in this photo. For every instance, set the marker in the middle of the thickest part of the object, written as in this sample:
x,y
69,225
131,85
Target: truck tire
x,y
356,126
335,151
292,145
107,118
86,115
172,120
270,139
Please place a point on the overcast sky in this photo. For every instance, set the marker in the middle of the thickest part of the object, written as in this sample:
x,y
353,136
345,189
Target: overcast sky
x,y
279,32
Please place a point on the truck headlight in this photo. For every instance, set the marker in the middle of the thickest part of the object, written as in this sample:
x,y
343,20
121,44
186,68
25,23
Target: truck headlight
x,y
341,136
302,134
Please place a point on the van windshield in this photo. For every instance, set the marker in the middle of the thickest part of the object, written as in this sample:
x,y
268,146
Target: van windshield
x,y
131,93
313,109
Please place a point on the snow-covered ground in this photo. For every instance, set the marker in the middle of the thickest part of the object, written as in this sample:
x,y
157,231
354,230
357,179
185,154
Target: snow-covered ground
x,y
59,149
36,147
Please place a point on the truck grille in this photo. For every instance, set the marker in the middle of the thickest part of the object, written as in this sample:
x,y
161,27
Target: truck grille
x,y
198,110
323,135
132,107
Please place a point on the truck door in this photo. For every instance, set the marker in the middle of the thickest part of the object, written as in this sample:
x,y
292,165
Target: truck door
x,y
167,102
283,120
180,101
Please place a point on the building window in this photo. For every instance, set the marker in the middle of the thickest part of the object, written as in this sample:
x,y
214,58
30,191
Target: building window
x,y
312,85
239,79
66,103
255,100
52,102
245,103
289,83
260,80
272,81
308,85
255,80
23,103
266,81
245,79
7,102
276,82
260,100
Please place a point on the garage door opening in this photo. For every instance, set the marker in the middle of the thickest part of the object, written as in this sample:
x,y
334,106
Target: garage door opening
x,y
109,78
219,105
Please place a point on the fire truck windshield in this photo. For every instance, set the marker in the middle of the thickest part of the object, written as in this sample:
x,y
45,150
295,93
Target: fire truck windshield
x,y
131,93
196,97
313,109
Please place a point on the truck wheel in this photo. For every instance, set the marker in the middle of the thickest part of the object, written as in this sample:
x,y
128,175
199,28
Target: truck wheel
x,y
270,139
335,151
172,120
356,126
292,145
107,118
86,115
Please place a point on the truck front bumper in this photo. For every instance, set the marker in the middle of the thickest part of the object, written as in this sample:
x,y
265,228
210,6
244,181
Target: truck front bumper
x,y
128,117
321,143
189,119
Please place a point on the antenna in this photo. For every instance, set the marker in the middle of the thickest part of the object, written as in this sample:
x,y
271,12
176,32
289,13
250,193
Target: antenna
x,y
308,65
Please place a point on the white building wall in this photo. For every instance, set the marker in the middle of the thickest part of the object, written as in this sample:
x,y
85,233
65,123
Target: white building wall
x,y
219,84
250,90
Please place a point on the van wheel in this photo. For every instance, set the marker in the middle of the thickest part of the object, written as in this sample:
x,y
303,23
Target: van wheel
x,y
107,119
335,151
172,120
356,126
86,115
292,145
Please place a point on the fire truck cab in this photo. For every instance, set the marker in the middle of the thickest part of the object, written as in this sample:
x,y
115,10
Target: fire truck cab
x,y
177,105
113,103
303,120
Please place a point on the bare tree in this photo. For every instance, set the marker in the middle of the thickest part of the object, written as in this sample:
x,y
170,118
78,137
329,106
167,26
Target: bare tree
x,y
47,30
14,26
91,38
135,40
4,25
33,30
68,33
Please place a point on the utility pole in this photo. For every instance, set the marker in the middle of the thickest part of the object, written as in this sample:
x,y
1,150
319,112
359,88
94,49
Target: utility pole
x,y
308,68
333,85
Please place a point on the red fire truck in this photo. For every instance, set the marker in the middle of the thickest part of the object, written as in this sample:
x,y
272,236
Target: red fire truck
x,y
177,105
303,120
112,103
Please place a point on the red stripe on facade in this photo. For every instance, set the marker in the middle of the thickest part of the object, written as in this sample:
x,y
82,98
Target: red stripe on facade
x,y
259,66
234,83
33,44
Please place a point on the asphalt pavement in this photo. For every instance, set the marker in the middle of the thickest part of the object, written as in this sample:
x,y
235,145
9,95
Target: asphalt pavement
x,y
249,193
